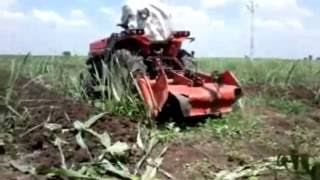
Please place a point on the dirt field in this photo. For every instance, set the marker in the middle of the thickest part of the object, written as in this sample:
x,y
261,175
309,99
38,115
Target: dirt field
x,y
272,121
31,142
195,159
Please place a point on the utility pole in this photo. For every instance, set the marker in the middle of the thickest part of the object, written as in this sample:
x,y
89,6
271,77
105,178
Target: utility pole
x,y
252,9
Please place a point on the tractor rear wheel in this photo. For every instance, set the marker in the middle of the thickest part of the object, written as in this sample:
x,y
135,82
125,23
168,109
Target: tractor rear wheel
x,y
123,67
115,76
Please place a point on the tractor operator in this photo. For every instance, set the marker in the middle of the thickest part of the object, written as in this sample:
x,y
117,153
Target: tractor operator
x,y
154,18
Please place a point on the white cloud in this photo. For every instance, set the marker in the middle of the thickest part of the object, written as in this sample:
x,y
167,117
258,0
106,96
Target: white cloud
x,y
8,15
281,14
6,4
214,3
185,17
138,4
108,11
279,24
288,6
111,14
76,19
217,24
77,14
284,7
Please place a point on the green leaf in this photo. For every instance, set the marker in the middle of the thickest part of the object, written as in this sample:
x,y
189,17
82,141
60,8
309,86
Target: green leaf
x,y
118,149
115,93
58,142
80,141
112,169
93,120
104,138
295,161
283,161
151,171
71,174
149,174
315,171
23,167
2,143
305,163
52,127
92,171
139,140
123,167
79,126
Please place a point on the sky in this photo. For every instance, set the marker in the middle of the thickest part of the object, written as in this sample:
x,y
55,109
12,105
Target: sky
x,y
284,28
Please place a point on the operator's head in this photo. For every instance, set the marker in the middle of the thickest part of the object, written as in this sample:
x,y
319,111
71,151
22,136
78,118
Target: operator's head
x,y
127,16
127,10
144,13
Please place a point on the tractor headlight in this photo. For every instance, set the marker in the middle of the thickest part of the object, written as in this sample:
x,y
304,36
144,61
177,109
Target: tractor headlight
x,y
136,32
180,34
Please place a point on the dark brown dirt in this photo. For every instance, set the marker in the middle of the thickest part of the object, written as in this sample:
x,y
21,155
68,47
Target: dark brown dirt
x,y
316,115
40,105
120,129
183,156
4,76
18,176
185,160
178,157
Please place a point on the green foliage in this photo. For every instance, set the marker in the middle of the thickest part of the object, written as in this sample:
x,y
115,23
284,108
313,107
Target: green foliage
x,y
303,159
107,164
62,75
268,71
302,165
130,106
233,125
168,133
286,106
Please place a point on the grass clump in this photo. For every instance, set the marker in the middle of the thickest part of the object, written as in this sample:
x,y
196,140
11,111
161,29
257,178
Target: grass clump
x,y
268,72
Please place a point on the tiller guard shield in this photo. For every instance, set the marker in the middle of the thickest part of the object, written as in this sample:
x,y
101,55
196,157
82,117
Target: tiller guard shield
x,y
194,95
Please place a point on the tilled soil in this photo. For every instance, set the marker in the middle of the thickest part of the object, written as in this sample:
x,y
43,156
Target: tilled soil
x,y
214,155
33,142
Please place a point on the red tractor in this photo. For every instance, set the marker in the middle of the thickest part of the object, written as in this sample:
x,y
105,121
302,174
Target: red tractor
x,y
160,74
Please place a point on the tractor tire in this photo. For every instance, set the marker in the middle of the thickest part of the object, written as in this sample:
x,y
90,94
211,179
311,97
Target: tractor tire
x,y
123,67
92,78
116,74
87,85
130,62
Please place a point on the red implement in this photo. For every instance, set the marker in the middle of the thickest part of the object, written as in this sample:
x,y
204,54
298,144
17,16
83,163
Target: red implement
x,y
166,85
197,94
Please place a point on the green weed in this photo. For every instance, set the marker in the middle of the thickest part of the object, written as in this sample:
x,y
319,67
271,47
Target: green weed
x,y
268,71
293,107
234,125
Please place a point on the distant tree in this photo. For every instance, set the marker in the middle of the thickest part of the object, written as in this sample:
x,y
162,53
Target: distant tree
x,y
318,58
66,53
